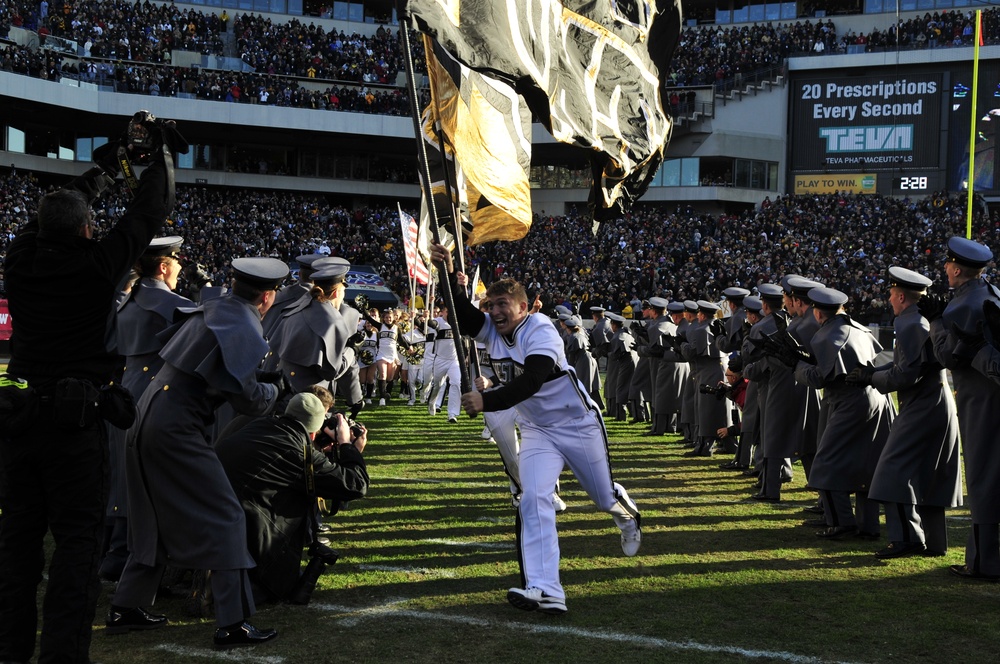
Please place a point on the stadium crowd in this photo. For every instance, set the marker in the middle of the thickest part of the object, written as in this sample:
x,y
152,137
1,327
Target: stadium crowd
x,y
128,46
844,240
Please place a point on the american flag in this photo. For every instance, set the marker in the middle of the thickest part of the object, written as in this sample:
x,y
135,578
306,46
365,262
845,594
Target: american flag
x,y
416,267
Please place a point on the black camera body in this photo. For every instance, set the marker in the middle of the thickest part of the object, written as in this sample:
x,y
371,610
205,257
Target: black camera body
x,y
718,390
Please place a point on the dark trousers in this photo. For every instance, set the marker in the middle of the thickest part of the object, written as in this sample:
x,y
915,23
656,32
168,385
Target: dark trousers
x,y
51,480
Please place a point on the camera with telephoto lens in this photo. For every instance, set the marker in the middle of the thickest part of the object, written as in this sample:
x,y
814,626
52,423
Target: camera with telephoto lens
x,y
324,440
718,390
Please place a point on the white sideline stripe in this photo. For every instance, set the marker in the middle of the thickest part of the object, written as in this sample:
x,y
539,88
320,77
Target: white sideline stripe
x,y
425,480
478,545
185,651
414,570
354,614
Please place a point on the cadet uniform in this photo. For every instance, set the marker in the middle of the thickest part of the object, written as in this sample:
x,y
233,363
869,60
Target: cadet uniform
x,y
978,402
918,475
309,340
600,339
182,508
707,368
857,423
147,310
622,355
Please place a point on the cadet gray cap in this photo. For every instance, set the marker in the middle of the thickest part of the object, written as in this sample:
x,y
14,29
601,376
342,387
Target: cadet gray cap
x,y
658,303
597,310
967,252
307,408
327,261
262,272
908,279
707,307
800,287
676,307
564,317
691,305
769,292
752,303
574,321
735,293
615,318
169,245
784,281
560,309
828,298
330,275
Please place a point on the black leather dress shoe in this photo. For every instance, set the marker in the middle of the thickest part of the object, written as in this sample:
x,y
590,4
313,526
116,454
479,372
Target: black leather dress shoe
x,y
816,523
242,634
765,498
122,620
901,550
837,532
813,509
966,573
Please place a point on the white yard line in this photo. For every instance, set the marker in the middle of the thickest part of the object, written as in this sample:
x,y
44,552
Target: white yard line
x,y
354,615
475,545
224,655
446,573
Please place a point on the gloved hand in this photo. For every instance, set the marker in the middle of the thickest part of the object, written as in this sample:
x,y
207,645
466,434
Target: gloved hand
x,y
860,376
173,138
106,156
196,275
931,306
717,327
355,340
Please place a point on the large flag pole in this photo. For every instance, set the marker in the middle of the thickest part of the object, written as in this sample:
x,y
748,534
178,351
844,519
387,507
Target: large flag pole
x,y
972,124
425,179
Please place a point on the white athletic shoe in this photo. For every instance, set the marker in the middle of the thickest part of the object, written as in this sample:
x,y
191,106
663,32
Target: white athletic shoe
x,y
486,433
631,539
452,420
381,402
533,599
368,402
410,402
558,503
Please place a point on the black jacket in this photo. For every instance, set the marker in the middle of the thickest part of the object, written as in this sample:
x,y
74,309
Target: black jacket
x,y
266,465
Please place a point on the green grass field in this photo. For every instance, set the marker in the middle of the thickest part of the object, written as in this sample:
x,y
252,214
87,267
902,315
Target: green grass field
x,y
427,558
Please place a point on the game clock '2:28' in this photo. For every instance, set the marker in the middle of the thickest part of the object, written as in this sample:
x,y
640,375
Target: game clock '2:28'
x,y
912,183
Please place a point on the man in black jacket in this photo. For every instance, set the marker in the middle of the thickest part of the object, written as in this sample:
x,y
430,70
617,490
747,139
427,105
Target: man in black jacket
x,y
278,473
62,285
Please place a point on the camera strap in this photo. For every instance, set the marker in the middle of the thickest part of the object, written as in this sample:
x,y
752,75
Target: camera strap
x,y
128,173
307,463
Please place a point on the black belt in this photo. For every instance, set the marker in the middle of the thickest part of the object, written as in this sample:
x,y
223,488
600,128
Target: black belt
x,y
445,334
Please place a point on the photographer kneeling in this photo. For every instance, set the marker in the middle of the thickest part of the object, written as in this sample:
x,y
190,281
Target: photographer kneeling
x,y
278,472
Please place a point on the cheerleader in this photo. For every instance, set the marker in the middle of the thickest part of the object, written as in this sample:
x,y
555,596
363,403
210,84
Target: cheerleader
x,y
387,356
412,360
366,360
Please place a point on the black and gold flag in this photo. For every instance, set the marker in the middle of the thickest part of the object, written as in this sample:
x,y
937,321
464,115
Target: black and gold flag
x,y
486,135
591,71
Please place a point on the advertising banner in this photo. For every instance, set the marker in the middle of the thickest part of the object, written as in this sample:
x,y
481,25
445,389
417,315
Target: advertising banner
x,y
870,122
849,183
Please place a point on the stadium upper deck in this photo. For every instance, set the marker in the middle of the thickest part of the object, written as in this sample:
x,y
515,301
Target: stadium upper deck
x,y
725,155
